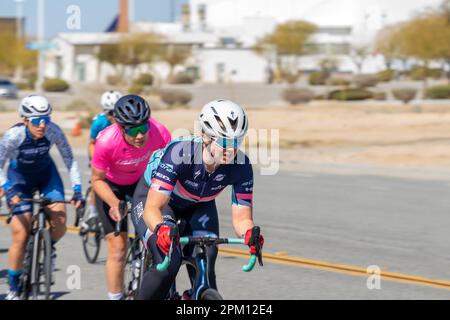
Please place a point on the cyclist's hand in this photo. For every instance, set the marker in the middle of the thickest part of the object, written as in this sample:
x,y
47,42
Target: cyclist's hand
x,y
114,213
15,200
13,197
2,192
251,241
163,240
77,200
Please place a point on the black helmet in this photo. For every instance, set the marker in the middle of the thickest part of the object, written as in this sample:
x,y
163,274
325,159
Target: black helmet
x,y
131,110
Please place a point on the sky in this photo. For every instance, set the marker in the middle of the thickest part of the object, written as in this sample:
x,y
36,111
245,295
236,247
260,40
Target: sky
x,y
96,15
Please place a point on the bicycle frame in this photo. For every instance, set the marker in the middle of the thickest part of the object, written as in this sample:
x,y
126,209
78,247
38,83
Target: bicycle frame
x,y
200,264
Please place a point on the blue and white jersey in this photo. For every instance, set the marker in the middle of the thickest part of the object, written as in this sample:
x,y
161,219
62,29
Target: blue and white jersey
x,y
31,156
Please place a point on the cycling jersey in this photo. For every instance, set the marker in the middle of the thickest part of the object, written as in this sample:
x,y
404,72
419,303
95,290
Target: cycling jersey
x,y
178,171
30,156
124,164
99,123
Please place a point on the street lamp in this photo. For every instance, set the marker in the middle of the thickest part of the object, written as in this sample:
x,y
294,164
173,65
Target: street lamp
x,y
19,18
40,39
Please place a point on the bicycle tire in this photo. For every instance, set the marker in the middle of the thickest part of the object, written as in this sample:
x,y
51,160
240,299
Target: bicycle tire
x,y
41,269
210,294
79,213
92,242
25,278
132,283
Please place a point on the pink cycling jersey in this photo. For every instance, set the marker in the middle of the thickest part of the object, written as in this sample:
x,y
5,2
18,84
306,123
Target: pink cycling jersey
x,y
123,163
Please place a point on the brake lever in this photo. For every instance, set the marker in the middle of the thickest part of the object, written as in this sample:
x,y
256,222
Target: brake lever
x,y
255,235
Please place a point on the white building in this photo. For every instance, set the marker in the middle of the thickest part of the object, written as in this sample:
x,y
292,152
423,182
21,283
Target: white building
x,y
223,32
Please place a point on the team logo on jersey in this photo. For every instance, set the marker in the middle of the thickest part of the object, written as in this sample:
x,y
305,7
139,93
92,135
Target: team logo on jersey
x,y
196,174
191,183
203,220
164,177
219,177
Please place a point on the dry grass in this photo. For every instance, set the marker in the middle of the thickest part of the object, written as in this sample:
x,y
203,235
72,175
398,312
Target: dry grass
x,y
330,132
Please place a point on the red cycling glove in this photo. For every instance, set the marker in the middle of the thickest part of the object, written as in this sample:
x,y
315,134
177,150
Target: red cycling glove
x,y
251,242
163,240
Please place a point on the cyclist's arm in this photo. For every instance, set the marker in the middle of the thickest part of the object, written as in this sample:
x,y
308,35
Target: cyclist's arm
x,y
91,148
242,219
242,200
102,189
56,135
154,205
12,139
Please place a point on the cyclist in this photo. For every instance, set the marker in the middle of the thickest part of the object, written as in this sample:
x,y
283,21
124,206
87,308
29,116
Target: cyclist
x,y
27,145
99,122
182,181
120,158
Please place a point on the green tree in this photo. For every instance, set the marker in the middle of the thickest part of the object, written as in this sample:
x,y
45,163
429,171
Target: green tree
x,y
15,55
389,43
426,38
175,55
131,50
289,40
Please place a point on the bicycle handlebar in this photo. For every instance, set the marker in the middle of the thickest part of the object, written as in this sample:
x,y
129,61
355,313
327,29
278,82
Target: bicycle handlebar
x,y
123,211
208,241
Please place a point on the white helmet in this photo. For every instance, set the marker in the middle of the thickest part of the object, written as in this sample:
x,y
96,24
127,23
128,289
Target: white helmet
x,y
35,106
225,119
109,99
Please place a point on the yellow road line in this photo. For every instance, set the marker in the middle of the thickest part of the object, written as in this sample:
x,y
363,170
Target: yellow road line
x,y
340,268
314,264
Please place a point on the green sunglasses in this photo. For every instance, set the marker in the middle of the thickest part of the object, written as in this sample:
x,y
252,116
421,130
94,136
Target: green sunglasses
x,y
134,131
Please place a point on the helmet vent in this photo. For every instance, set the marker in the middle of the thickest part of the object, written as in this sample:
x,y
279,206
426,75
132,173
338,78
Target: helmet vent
x,y
214,110
233,123
219,121
207,124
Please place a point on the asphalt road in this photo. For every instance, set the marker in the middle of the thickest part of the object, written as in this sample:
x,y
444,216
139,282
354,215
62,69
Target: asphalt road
x,y
333,227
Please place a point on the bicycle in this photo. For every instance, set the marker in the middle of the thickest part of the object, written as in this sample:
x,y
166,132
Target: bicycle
x,y
200,288
36,278
92,237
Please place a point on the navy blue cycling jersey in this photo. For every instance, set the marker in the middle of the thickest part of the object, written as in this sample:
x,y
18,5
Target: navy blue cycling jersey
x,y
30,156
178,171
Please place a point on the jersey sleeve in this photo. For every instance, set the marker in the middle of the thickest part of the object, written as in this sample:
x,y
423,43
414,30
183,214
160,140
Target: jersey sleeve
x,y
11,141
101,159
165,176
95,128
57,136
242,190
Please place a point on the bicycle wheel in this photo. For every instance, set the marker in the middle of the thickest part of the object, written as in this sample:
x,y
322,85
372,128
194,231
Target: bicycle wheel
x,y
25,278
41,272
92,241
79,213
210,294
133,270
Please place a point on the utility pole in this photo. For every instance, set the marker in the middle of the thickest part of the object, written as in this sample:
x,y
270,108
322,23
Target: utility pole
x,y
40,39
19,35
19,18
172,10
132,11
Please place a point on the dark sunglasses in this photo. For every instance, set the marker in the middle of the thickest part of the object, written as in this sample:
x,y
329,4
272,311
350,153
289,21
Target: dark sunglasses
x,y
134,131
